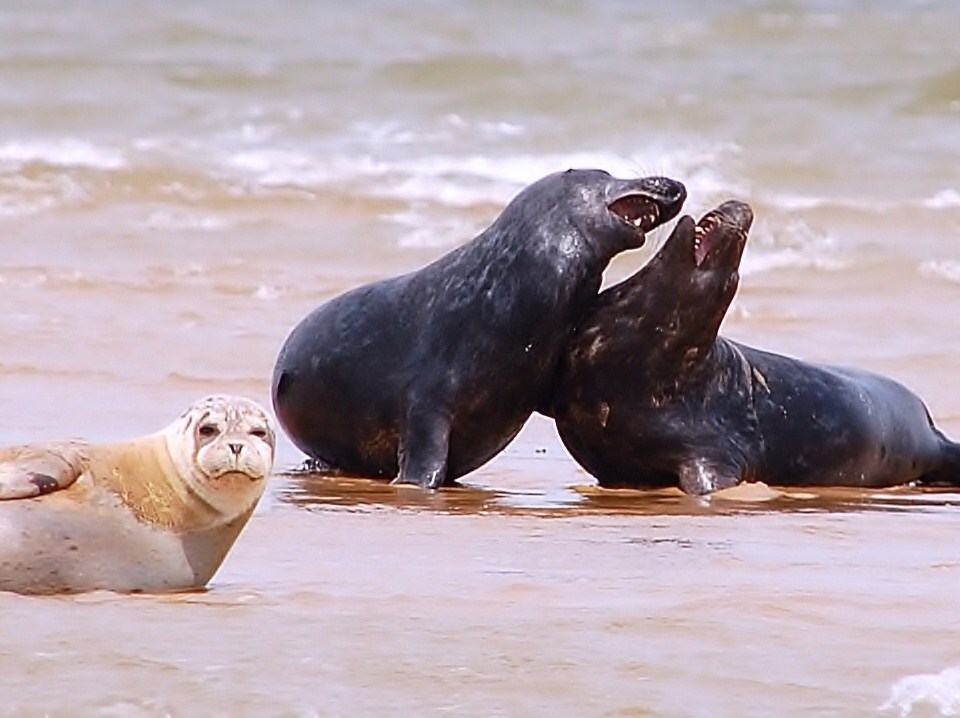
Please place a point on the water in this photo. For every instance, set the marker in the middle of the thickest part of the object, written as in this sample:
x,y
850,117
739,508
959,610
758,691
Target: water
x,y
181,183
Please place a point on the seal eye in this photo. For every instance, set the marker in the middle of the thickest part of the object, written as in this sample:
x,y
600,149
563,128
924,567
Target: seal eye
x,y
208,431
259,433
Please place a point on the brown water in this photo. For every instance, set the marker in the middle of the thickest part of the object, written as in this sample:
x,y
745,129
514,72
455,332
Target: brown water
x,y
180,184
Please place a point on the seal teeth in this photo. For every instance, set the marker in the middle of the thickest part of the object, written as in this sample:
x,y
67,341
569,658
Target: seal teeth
x,y
638,211
703,237
646,219
653,214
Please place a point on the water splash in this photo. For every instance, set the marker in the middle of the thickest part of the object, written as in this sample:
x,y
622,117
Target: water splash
x,y
925,694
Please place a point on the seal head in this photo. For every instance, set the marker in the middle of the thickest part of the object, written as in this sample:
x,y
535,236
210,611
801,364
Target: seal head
x,y
223,447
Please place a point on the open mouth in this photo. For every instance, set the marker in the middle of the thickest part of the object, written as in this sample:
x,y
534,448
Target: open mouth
x,y
637,210
724,228
705,237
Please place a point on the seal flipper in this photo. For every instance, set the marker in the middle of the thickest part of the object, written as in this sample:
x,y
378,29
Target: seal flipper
x,y
703,476
28,471
424,447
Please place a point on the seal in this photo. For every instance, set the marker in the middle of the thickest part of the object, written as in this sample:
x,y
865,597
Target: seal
x,y
650,395
155,513
426,376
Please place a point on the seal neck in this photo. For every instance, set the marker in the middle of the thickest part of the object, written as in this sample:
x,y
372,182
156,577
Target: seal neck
x,y
143,475
670,323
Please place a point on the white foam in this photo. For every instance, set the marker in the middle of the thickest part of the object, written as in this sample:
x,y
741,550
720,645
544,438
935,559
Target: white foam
x,y
267,292
448,128
62,153
942,269
944,199
918,695
948,198
801,202
22,195
22,207
424,229
272,167
795,245
178,222
463,181
767,261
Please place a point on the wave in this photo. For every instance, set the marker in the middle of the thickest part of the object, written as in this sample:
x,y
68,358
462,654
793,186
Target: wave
x,y
164,221
941,269
418,172
795,245
944,199
66,152
948,198
790,258
458,180
917,694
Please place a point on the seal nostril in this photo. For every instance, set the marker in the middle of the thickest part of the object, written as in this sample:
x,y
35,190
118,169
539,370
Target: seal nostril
x,y
669,189
676,191
236,448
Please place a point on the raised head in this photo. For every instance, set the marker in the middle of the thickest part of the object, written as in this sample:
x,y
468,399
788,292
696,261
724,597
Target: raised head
x,y
609,214
223,448
702,260
698,266
677,301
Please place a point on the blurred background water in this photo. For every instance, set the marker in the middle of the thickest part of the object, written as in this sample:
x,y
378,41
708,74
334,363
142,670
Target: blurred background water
x,y
181,182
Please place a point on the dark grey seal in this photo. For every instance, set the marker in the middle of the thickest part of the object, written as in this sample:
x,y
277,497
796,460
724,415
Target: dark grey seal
x,y
650,395
432,373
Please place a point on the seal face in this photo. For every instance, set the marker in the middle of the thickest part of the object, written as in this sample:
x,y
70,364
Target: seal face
x,y
223,448
651,396
155,513
432,373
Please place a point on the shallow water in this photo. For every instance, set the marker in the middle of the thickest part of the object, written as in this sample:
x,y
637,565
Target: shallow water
x,y
181,183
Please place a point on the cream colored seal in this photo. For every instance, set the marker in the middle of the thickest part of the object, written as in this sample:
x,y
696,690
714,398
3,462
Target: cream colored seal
x,y
155,513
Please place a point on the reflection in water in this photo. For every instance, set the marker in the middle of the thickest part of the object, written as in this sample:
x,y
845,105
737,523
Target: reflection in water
x,y
307,489
353,597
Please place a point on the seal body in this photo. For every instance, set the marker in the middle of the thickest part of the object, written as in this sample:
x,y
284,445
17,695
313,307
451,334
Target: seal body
x,y
426,376
155,513
651,396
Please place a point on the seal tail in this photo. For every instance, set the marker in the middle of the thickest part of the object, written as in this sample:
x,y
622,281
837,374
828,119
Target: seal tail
x,y
947,473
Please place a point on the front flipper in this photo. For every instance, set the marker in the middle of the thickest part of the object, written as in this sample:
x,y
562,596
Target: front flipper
x,y
423,449
28,471
704,476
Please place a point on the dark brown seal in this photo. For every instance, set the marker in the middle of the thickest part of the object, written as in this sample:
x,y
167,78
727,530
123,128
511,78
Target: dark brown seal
x,y
650,396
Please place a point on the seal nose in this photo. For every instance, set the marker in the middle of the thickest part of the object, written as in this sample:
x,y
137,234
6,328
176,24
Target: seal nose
x,y
669,190
236,448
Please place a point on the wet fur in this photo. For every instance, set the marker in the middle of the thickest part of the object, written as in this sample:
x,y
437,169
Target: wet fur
x,y
650,396
426,376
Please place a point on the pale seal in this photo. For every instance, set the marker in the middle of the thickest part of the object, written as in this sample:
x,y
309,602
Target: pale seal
x,y
651,396
154,513
426,376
